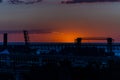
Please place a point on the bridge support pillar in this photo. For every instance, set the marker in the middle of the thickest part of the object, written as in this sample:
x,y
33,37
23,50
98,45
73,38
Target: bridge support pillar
x,y
78,42
109,43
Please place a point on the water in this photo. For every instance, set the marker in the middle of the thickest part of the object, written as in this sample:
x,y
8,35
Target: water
x,y
58,46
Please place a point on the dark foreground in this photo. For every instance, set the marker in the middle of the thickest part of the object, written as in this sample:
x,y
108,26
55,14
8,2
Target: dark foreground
x,y
65,71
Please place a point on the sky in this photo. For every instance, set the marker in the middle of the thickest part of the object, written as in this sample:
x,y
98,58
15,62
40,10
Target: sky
x,y
52,21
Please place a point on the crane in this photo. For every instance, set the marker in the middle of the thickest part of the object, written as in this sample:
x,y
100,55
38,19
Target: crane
x,y
26,39
109,41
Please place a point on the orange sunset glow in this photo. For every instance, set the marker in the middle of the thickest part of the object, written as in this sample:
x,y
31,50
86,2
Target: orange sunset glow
x,y
62,22
65,37
55,37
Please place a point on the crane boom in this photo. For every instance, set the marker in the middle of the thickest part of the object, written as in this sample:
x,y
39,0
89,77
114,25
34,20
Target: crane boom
x,y
95,38
109,41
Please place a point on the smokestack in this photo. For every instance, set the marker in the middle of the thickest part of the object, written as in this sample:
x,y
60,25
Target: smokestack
x,y
5,40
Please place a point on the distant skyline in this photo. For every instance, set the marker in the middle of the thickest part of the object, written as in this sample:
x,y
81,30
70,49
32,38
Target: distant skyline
x,y
64,22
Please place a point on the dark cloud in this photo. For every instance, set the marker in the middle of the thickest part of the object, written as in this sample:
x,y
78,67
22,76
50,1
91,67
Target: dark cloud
x,y
40,31
24,2
88,1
